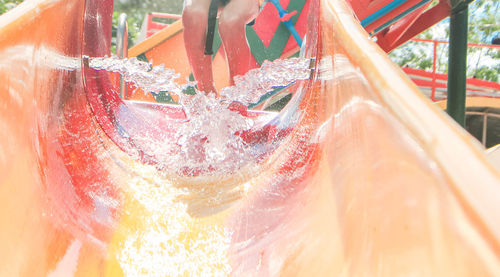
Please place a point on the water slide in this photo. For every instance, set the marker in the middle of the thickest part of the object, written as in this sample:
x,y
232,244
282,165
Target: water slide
x,y
359,175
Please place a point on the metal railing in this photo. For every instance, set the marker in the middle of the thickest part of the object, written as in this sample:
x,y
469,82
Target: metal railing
x,y
152,26
122,48
436,76
485,122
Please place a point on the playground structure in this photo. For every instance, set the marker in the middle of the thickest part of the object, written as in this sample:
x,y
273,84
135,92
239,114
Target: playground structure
x,y
433,84
378,17
391,23
150,26
363,176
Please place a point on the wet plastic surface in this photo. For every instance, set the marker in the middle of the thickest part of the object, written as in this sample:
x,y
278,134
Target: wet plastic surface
x,y
361,175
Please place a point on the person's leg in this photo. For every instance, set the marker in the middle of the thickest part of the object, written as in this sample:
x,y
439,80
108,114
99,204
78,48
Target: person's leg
x,y
194,20
232,21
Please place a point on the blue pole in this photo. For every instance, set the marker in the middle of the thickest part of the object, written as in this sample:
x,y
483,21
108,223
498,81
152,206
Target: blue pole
x,y
287,23
383,11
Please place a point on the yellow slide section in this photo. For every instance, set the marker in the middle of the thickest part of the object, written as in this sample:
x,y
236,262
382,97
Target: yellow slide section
x,y
360,174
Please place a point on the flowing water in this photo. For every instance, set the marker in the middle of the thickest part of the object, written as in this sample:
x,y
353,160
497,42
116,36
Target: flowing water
x,y
210,140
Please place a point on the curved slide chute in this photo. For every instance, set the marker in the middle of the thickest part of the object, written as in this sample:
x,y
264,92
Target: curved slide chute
x,y
359,175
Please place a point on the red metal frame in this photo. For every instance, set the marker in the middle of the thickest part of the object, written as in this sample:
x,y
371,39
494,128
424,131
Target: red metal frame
x,y
152,27
408,27
396,12
473,85
405,28
468,44
392,37
398,29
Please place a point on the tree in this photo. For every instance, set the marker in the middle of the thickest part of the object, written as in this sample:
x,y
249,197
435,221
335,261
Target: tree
x,y
6,5
137,9
141,7
484,26
482,63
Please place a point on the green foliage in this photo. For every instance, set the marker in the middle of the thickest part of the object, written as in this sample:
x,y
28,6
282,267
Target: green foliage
x,y
137,9
6,5
141,7
486,73
478,64
482,63
132,30
484,25
484,22
414,54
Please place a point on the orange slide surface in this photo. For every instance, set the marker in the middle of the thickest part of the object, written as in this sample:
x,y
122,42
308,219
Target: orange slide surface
x,y
359,175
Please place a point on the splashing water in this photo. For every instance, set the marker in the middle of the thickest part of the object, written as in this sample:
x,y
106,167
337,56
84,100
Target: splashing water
x,y
209,140
149,78
248,89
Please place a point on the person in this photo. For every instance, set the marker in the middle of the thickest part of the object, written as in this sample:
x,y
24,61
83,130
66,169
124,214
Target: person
x,y
233,17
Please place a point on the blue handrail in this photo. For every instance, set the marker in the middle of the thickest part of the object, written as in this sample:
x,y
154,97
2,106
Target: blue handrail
x,y
383,11
398,17
282,12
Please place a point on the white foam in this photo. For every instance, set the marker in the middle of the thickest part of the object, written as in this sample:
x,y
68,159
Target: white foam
x,y
208,140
